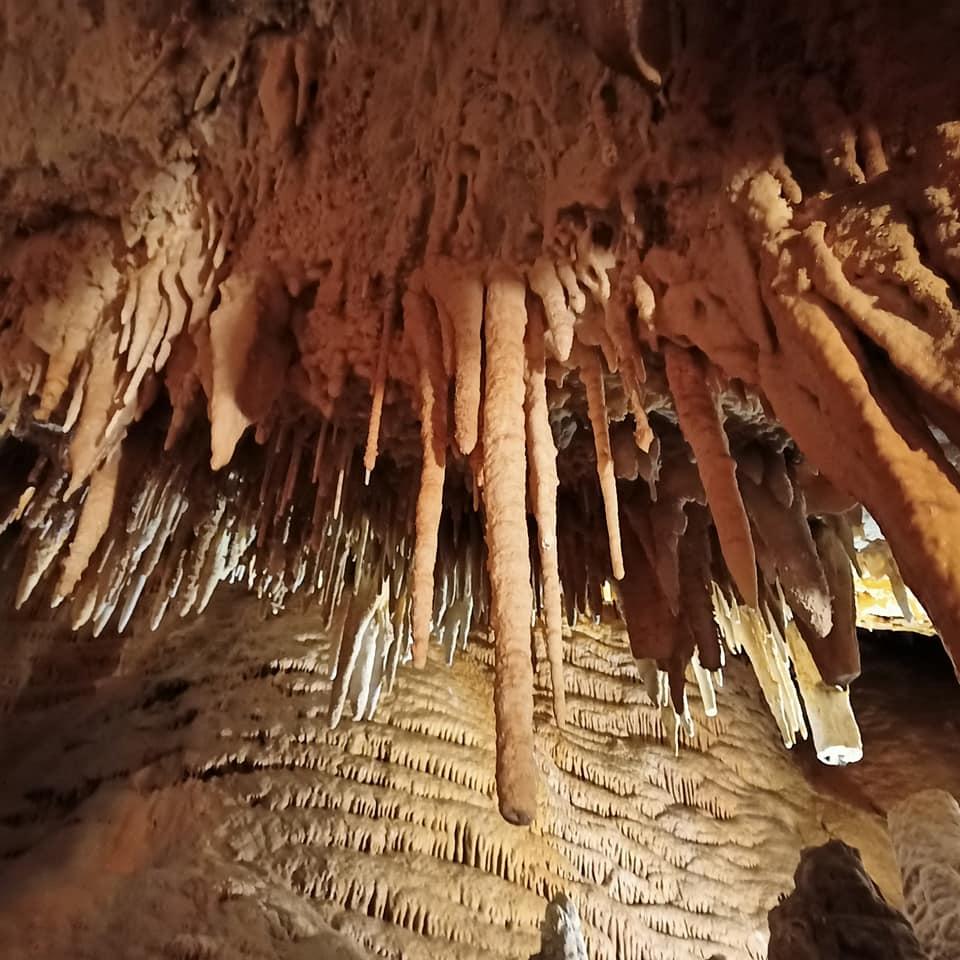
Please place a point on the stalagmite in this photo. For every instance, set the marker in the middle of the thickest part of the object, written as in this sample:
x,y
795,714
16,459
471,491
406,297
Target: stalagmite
x,y
433,437
542,471
837,911
505,528
702,425
591,372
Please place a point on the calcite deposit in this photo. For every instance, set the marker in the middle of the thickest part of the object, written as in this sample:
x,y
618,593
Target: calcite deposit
x,y
459,323
836,911
926,833
201,805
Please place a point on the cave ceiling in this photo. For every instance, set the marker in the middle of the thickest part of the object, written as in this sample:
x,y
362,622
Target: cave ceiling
x,y
445,316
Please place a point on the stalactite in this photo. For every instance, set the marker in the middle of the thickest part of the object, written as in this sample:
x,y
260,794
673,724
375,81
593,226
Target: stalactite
x,y
893,476
667,524
92,525
651,627
356,634
458,291
376,408
543,498
702,426
42,553
837,655
798,324
916,348
591,373
833,727
788,552
695,593
433,433
743,628
546,284
504,469
85,444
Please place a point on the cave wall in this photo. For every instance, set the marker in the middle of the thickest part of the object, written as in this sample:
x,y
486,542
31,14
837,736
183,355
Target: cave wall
x,y
187,796
925,829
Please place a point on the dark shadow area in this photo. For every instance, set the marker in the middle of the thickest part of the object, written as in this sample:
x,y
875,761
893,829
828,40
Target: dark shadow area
x,y
907,703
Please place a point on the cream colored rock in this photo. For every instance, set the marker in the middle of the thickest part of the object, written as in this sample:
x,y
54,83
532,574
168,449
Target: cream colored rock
x,y
388,827
833,727
925,830
232,331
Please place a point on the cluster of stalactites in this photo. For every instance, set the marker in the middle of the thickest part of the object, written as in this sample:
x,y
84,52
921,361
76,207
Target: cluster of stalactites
x,y
158,526
707,539
157,533
716,527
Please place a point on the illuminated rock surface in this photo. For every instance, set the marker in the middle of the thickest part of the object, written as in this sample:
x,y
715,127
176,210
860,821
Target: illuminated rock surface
x,y
201,796
432,321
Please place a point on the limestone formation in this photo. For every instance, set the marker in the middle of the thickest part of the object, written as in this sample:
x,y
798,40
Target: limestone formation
x,y
201,800
280,266
454,321
925,830
836,911
561,937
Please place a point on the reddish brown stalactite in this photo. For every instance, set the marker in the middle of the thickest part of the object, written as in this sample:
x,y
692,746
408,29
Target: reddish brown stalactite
x,y
695,600
837,655
433,431
376,407
787,551
505,529
652,628
591,372
542,471
702,426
